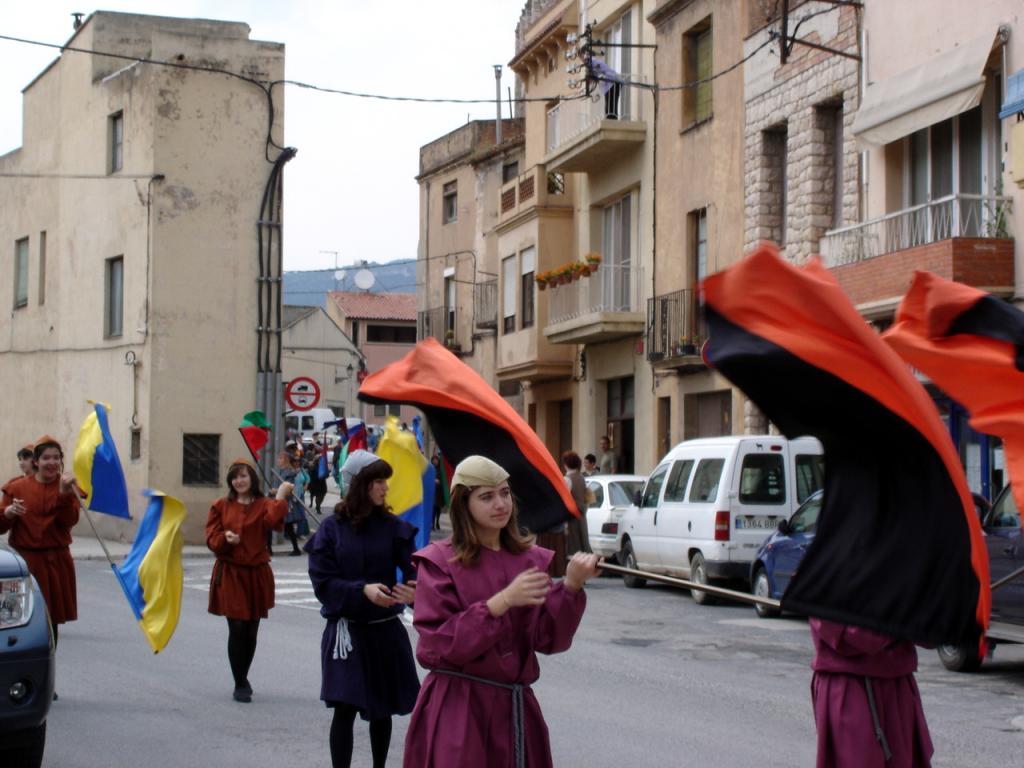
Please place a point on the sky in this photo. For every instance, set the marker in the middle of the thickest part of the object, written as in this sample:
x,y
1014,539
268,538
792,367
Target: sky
x,y
351,187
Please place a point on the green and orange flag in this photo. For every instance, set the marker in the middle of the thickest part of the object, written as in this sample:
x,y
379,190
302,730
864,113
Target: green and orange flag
x,y
255,431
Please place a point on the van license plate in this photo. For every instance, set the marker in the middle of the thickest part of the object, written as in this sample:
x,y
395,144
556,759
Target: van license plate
x,y
755,522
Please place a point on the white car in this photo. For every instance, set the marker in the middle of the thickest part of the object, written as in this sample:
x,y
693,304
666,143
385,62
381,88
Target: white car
x,y
612,496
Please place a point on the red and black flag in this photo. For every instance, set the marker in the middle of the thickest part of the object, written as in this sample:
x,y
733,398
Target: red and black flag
x,y
898,547
467,417
971,344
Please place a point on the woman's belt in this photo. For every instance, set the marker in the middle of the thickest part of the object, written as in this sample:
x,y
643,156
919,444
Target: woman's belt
x,y
342,638
518,709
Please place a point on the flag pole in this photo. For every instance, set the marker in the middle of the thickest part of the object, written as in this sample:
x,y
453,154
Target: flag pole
x,y
728,594
309,514
96,533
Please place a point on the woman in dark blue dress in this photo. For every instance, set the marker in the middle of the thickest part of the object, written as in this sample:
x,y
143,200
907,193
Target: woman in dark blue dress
x,y
366,656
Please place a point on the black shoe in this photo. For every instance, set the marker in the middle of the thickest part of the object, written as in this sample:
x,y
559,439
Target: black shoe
x,y
55,696
242,694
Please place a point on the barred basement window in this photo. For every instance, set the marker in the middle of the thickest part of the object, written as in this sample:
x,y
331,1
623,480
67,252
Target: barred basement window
x,y
136,447
200,460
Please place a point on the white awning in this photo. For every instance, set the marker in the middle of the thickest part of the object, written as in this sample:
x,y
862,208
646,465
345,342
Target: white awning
x,y
936,90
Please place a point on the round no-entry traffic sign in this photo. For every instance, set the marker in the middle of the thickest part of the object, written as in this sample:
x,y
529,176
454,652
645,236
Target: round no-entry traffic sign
x,y
302,393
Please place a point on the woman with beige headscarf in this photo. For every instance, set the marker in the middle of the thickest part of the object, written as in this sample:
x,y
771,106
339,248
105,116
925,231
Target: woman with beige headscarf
x,y
485,607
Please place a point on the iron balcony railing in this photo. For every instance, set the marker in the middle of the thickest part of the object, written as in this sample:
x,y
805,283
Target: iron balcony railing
x,y
436,323
613,288
485,303
947,217
674,325
568,119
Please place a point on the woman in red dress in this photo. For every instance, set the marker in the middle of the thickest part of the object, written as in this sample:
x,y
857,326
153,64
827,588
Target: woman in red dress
x,y
242,583
40,510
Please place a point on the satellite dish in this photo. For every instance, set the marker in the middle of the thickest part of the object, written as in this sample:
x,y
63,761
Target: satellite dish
x,y
364,279
339,275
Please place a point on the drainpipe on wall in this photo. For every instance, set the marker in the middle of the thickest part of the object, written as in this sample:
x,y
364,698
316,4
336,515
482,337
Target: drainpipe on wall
x,y
497,103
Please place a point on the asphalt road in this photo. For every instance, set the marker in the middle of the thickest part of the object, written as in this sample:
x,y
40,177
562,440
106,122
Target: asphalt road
x,y
651,680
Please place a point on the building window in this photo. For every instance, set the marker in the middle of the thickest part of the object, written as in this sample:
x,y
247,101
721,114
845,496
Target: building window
x,y
21,272
775,165
837,166
509,171
116,141
699,224
42,268
697,68
951,158
619,37
450,303
113,297
383,410
527,288
355,333
200,460
615,275
449,202
136,446
391,334
508,294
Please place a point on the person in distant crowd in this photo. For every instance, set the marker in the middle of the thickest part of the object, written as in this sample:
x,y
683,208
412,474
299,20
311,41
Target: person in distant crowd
x,y
577,536
242,583
288,470
317,484
589,465
608,461
867,707
484,609
372,438
366,658
438,492
39,510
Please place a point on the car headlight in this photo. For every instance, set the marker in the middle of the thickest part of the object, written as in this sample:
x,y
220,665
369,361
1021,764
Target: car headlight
x,y
15,602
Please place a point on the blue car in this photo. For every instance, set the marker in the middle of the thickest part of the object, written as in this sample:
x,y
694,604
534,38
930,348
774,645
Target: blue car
x,y
26,664
781,553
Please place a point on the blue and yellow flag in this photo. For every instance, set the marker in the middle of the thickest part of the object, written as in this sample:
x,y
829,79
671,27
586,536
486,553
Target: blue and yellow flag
x,y
97,466
151,575
411,487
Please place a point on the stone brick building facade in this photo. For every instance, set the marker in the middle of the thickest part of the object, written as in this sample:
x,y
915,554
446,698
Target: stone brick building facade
x,y
798,146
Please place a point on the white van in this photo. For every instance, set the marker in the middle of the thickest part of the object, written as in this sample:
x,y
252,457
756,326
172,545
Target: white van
x,y
305,423
710,503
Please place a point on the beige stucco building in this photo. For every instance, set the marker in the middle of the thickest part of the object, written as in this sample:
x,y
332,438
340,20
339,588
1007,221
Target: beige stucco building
x,y
699,209
460,178
314,346
576,348
130,249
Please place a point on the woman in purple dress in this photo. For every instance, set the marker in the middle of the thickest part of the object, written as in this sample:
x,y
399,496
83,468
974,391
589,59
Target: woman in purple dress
x,y
866,704
485,608
366,657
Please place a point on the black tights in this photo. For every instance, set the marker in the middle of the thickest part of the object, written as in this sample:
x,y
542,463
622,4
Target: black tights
x,y
341,737
241,648
289,532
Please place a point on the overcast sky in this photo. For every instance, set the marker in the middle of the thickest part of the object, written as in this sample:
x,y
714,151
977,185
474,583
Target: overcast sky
x,y
350,188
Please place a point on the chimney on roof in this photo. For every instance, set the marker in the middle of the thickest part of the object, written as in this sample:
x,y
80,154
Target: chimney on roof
x,y
78,20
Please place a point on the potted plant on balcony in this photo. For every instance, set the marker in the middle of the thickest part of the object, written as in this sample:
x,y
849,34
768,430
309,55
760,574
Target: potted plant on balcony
x,y
593,260
542,280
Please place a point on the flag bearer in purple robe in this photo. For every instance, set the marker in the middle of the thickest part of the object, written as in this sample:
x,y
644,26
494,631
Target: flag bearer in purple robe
x,y
485,607
366,657
866,704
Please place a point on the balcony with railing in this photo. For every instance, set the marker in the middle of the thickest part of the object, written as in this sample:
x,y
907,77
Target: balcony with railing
x,y
961,237
537,188
675,331
441,324
584,134
485,304
602,307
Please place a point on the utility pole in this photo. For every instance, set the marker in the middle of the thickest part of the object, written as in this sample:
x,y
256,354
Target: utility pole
x,y
497,102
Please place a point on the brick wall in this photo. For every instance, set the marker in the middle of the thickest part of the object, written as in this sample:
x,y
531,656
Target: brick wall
x,y
981,262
